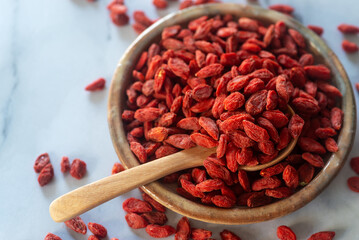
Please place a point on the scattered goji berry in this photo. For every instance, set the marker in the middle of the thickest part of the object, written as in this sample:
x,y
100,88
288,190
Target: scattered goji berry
x,y
285,233
41,161
78,168
158,231
326,235
51,236
97,229
77,224
46,175
353,184
98,84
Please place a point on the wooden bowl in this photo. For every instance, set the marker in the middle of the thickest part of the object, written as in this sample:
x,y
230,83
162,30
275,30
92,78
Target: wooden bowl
x,y
167,195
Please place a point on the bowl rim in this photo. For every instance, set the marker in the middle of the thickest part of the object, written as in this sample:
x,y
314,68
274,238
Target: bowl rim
x,y
233,216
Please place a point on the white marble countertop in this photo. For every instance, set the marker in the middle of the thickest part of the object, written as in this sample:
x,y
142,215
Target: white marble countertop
x,y
49,50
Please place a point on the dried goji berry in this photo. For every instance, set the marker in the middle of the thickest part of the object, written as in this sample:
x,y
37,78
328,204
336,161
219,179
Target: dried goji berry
x,y
281,192
157,231
77,225
327,235
314,160
183,230
155,218
200,234
336,118
306,173
353,184
93,237
41,161
117,167
283,8
258,199
135,221
97,229
348,28
290,177
317,29
98,84
228,235
46,175
133,205
285,233
203,140
223,201
51,236
255,132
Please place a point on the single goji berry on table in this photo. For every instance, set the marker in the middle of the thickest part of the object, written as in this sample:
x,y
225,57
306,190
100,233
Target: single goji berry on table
x,y
349,47
199,234
348,28
97,229
46,175
133,205
326,235
317,29
156,205
285,233
353,184
78,168
155,217
93,237
41,161
135,221
51,236
98,84
158,231
77,224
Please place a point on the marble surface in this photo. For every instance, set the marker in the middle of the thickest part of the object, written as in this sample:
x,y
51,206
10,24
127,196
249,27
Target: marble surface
x,y
49,50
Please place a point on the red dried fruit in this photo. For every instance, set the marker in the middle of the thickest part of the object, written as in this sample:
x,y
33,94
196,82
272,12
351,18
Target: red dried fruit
x,y
331,145
276,117
354,164
306,173
210,185
97,229
222,145
314,160
283,8
41,161
93,237
210,70
228,235
134,205
119,19
327,235
155,218
139,151
77,225
46,175
348,29
78,168
349,47
223,201
183,231
200,234
157,231
161,4
233,101
281,192
135,221
265,183
140,16
295,126
203,140
182,141
319,72
117,167
285,233
317,29
255,132
290,177
153,202
210,126
65,164
98,84
258,199
336,118
51,236
243,180
274,170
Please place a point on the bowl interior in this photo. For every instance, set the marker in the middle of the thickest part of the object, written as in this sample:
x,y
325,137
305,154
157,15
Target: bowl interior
x,y
166,194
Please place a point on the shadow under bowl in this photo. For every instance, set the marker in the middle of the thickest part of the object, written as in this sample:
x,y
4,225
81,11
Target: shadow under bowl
x,y
167,195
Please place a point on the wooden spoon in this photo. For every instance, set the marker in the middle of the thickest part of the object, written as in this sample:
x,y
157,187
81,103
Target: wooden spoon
x,y
91,195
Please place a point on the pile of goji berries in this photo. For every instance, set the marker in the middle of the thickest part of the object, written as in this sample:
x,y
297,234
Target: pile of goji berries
x,y
226,83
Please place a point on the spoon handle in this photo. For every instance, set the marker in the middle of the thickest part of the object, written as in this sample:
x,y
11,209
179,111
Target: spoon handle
x,y
91,195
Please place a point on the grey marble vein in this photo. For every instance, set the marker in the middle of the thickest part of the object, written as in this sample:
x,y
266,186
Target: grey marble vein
x,y
14,74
